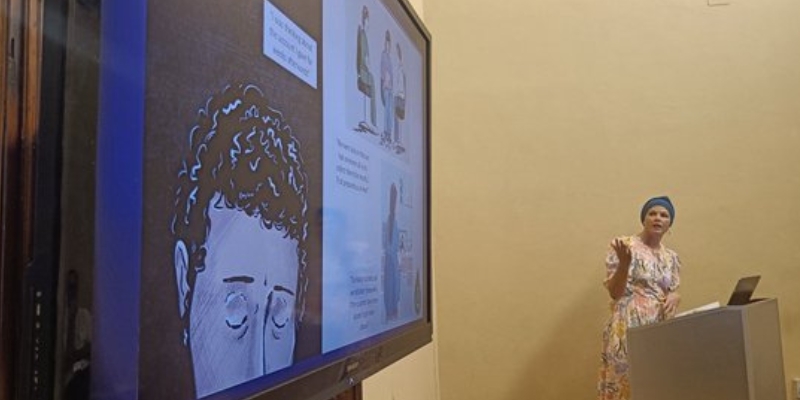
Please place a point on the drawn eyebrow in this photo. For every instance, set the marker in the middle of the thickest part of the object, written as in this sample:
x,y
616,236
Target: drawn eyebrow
x,y
279,288
245,279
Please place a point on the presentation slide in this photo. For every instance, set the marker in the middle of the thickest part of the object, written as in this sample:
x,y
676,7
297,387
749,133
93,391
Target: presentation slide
x,y
231,270
283,190
373,159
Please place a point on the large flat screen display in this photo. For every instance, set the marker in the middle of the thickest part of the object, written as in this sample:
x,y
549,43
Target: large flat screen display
x,y
262,197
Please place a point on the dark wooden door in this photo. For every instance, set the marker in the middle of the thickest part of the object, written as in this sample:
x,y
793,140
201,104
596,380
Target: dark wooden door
x,y
20,45
354,393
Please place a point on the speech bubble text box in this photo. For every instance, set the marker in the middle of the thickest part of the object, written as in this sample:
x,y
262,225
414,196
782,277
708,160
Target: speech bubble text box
x,y
289,46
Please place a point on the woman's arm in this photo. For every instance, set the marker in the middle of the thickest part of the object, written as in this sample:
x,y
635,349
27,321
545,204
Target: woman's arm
x,y
619,280
671,304
673,299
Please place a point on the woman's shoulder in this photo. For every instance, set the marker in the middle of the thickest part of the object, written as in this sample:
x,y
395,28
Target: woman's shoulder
x,y
671,252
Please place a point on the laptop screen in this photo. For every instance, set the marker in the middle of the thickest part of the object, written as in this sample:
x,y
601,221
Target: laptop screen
x,y
744,290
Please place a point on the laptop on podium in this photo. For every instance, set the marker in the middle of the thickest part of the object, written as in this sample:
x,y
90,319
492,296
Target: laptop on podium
x,y
743,292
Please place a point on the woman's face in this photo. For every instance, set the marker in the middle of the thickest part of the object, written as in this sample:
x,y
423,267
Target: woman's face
x,y
657,221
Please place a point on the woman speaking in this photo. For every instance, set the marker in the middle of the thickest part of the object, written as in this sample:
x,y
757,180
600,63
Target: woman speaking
x,y
642,277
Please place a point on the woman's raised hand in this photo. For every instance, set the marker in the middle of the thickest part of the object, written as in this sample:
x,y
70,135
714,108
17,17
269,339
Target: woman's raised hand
x,y
623,251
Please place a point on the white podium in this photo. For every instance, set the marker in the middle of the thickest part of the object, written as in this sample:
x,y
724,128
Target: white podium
x,y
729,353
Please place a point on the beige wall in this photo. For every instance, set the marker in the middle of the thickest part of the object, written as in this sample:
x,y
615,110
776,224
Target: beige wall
x,y
414,377
553,121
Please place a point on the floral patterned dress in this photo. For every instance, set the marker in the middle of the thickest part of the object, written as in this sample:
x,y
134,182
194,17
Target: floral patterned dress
x,y
652,276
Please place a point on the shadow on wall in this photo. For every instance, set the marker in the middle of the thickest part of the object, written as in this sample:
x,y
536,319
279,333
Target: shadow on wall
x,y
567,363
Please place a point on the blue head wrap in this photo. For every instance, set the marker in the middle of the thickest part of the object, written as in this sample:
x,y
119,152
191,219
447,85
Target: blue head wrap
x,y
662,201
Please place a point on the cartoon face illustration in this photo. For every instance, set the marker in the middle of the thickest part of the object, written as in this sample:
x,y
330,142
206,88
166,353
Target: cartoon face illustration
x,y
240,230
242,322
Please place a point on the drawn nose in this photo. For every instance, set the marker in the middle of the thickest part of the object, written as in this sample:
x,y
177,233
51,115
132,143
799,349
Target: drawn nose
x,y
264,335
